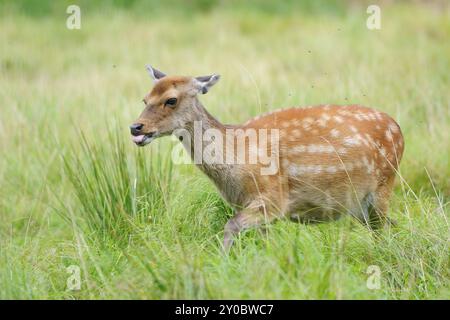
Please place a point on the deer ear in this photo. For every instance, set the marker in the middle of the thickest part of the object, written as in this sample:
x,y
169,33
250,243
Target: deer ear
x,y
154,73
206,82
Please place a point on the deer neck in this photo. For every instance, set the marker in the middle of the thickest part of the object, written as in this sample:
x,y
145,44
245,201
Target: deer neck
x,y
197,131
221,173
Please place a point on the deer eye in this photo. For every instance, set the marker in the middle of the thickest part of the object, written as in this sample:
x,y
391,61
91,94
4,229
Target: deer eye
x,y
171,102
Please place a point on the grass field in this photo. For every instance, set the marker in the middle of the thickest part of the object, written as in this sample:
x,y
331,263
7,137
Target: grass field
x,y
75,191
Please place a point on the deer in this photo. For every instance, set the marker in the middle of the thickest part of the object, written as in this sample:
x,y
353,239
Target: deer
x,y
329,160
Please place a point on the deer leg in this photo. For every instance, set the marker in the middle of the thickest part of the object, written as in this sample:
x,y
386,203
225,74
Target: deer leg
x,y
247,218
377,210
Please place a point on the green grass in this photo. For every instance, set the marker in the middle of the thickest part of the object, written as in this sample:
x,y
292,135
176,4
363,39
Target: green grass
x,y
74,190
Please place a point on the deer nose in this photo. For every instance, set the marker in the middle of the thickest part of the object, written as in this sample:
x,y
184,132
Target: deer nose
x,y
136,128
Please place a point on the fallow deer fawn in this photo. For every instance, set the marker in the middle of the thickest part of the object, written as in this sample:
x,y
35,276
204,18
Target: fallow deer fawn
x,y
330,160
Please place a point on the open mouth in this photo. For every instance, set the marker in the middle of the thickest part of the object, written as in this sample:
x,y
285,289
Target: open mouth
x,y
143,139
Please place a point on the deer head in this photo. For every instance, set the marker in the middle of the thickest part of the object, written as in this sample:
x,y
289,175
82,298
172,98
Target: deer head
x,y
170,105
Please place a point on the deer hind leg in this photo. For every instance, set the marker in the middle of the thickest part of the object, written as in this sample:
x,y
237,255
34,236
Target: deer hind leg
x,y
377,204
245,219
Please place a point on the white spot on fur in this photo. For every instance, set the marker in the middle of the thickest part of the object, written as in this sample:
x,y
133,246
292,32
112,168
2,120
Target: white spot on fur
x,y
345,112
303,169
314,169
300,148
351,141
306,123
369,139
314,148
349,166
293,170
331,169
320,148
317,169
334,133
369,165
338,119
388,135
364,141
353,128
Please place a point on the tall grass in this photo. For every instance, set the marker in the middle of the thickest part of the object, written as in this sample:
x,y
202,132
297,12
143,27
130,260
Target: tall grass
x,y
75,191
116,193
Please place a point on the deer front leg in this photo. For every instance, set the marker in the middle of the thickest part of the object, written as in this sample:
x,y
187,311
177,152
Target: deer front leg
x,y
247,218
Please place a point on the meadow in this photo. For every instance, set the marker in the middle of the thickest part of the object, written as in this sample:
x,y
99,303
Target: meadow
x,y
76,193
